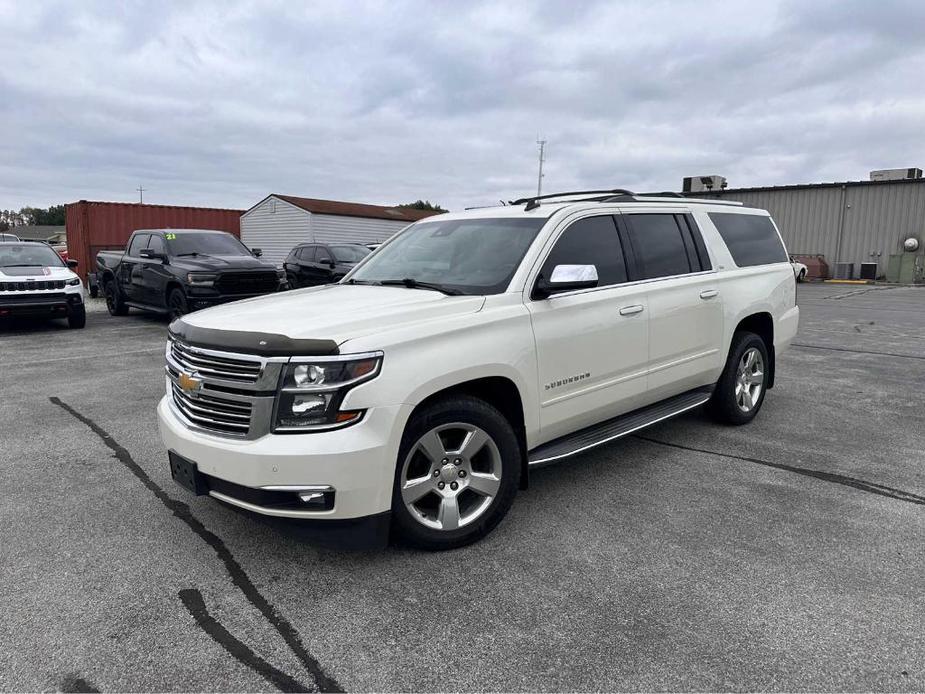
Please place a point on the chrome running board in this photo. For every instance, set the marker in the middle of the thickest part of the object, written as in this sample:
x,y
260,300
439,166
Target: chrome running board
x,y
617,427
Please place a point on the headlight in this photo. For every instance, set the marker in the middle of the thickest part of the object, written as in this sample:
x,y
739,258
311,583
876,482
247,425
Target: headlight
x,y
201,279
313,390
73,282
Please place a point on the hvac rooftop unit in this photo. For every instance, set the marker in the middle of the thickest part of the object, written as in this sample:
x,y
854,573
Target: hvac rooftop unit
x,y
895,174
702,184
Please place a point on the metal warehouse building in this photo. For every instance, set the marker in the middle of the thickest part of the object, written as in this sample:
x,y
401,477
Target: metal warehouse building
x,y
850,222
278,223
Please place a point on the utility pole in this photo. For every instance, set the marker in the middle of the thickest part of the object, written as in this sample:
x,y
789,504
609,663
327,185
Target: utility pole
x,y
141,194
539,178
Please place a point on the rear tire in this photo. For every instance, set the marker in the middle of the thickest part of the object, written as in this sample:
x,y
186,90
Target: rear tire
x,y
293,282
177,304
741,388
77,318
802,276
457,473
114,301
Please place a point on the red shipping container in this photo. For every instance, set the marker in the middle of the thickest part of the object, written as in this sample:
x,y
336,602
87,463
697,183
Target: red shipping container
x,y
95,226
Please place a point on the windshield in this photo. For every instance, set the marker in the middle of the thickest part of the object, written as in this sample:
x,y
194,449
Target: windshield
x,y
470,256
349,254
205,243
29,255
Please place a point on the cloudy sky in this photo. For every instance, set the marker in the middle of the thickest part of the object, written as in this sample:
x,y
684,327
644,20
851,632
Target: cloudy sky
x,y
220,103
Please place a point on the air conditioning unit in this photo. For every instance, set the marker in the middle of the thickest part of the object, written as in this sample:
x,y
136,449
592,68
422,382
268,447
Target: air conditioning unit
x,y
702,184
895,174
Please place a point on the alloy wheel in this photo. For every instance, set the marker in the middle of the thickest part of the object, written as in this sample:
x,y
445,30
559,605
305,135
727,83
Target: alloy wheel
x,y
749,379
451,476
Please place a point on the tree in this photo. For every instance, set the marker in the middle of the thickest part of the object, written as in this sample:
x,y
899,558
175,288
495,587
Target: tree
x,y
424,205
38,216
4,225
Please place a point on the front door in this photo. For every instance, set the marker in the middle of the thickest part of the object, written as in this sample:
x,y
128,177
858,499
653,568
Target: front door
x,y
592,345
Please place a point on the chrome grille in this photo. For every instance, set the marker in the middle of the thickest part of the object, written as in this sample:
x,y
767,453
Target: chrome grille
x,y
212,412
208,364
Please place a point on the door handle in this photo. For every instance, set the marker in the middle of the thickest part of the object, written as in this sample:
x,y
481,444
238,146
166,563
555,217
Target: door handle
x,y
709,293
630,310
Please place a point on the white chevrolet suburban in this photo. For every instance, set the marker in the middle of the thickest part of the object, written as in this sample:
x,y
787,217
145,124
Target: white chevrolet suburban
x,y
420,390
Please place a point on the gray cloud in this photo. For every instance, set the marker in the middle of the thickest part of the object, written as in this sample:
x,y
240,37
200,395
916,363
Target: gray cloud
x,y
208,104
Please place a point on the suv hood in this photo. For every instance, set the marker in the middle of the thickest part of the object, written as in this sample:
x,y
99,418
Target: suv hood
x,y
37,272
213,263
337,312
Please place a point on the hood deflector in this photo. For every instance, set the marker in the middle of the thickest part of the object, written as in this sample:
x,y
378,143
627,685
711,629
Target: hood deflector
x,y
261,344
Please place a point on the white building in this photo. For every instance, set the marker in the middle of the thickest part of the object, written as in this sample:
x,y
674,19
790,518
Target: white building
x,y
278,223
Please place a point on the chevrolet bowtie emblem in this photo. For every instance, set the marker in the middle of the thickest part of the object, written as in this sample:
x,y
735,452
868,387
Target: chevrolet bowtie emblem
x,y
189,383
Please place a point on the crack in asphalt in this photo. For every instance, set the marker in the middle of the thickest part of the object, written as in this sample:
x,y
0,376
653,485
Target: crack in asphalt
x,y
862,485
77,685
192,600
858,351
239,577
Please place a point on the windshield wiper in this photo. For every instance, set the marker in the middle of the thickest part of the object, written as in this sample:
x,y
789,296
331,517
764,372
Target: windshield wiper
x,y
412,283
369,282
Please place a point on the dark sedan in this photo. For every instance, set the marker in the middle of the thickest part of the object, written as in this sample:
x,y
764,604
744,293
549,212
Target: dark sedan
x,y
316,263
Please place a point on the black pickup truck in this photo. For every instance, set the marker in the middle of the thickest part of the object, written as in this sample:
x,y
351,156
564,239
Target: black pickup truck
x,y
176,271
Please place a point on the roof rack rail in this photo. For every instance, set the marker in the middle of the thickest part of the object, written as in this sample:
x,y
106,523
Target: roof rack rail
x,y
533,202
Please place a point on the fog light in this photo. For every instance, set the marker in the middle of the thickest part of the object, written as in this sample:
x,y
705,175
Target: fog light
x,y
309,497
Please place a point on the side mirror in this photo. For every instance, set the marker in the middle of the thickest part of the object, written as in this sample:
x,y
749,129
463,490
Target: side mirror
x,y
72,264
566,278
148,254
257,252
332,264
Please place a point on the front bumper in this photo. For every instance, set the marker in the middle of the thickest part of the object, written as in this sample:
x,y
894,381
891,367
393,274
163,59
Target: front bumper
x,y
357,462
56,306
204,297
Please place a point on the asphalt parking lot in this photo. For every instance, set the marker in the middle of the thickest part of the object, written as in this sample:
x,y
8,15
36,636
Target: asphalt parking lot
x,y
784,555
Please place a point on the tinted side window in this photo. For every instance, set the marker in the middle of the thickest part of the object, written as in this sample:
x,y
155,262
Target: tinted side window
x,y
591,241
750,238
659,246
139,241
156,244
322,255
306,253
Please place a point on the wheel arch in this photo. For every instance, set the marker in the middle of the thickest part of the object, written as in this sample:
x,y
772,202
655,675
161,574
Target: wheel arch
x,y
501,393
762,324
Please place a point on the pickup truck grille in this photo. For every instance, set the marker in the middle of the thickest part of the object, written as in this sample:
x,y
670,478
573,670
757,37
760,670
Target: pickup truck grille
x,y
216,367
247,282
39,285
214,413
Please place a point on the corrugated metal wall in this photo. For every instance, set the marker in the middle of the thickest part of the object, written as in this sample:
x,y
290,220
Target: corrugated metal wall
x,y
328,228
96,226
275,227
853,223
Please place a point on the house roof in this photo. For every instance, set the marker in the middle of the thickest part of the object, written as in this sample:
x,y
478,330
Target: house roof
x,y
355,209
38,232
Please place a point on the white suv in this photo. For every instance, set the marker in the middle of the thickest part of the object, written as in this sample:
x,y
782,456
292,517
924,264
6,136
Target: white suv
x,y
421,389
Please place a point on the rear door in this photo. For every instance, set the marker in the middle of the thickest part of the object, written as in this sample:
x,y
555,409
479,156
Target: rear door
x,y
591,344
685,302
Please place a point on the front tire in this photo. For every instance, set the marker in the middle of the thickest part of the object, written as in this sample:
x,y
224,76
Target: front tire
x,y
741,388
457,473
177,304
802,276
77,318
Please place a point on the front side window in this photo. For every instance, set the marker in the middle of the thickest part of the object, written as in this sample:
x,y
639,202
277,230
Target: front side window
x,y
139,241
322,255
467,256
659,245
29,255
156,244
204,243
590,241
750,238
350,254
